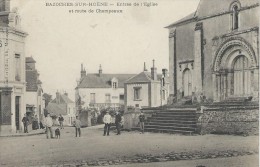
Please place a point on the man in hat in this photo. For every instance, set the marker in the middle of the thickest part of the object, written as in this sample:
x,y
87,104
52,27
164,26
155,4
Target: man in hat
x,y
107,120
141,121
25,121
118,120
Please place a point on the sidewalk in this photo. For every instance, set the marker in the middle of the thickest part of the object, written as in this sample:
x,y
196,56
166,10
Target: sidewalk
x,y
21,134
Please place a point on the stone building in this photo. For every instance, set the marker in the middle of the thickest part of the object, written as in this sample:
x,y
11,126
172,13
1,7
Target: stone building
x,y
99,90
12,69
147,89
214,52
63,105
34,91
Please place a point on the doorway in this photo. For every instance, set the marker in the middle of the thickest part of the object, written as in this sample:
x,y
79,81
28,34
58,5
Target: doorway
x,y
17,112
187,82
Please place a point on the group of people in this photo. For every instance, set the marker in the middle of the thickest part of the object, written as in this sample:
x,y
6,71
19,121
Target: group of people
x,y
118,122
107,119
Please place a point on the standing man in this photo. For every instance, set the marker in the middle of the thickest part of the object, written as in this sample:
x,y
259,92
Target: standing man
x,y
107,120
61,119
118,120
25,121
77,125
141,121
48,124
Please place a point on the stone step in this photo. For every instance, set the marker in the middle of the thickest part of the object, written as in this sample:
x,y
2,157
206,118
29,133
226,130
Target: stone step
x,y
172,118
175,115
170,127
172,121
169,131
172,124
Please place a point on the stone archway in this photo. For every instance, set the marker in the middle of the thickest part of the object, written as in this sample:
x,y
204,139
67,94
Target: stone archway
x,y
227,73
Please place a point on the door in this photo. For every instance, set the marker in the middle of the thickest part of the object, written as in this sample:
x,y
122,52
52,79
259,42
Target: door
x,y
187,83
17,112
242,76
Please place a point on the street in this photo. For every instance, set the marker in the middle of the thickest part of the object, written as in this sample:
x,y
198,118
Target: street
x,y
94,149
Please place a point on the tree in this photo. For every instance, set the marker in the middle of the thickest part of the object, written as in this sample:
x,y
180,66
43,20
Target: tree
x,y
48,98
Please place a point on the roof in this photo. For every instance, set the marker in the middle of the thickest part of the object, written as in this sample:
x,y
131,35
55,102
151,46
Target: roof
x,y
103,81
63,100
56,109
143,77
31,79
29,60
184,19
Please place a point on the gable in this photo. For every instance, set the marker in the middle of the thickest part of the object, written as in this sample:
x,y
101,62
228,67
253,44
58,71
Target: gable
x,y
213,7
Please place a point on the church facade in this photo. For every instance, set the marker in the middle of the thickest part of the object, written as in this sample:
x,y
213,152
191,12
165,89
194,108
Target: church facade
x,y
214,52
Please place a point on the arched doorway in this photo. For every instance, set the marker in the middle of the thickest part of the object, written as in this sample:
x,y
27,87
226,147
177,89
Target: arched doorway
x,y
242,76
187,82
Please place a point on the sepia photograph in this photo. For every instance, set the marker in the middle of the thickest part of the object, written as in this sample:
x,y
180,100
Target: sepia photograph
x,y
129,83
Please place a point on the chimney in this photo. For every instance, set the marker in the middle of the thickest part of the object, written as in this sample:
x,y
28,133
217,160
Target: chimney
x,y
57,97
82,72
100,71
154,72
165,72
145,67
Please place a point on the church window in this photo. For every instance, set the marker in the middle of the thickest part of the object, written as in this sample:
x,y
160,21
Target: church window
x,y
235,17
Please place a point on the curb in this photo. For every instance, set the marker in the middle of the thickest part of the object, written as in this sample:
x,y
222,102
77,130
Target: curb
x,y
20,135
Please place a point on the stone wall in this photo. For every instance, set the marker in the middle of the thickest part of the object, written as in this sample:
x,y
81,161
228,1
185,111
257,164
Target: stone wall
x,y
240,121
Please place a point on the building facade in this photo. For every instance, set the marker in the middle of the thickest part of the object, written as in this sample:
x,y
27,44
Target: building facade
x,y
34,91
12,69
99,90
62,105
214,51
147,89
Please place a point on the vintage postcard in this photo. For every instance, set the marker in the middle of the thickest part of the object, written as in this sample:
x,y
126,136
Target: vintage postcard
x,y
126,83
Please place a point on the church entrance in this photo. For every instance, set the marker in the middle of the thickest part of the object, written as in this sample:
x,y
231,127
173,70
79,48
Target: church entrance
x,y
187,82
235,71
242,76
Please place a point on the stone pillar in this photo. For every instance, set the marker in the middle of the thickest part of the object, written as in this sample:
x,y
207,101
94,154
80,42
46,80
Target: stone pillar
x,y
229,83
218,86
255,84
198,57
224,76
172,63
215,86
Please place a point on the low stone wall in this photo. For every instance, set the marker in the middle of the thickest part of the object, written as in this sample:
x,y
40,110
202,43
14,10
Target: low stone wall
x,y
241,121
131,117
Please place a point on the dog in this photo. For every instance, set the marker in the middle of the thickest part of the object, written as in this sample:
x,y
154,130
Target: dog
x,y
57,133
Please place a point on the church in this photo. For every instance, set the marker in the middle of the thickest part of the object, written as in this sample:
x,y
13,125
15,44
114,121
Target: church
x,y
214,52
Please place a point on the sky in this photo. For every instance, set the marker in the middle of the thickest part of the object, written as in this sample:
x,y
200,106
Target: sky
x,y
60,41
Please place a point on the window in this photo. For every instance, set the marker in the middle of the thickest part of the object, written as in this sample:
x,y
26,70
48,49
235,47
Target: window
x,y
235,17
121,97
108,100
137,93
17,67
114,85
92,97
